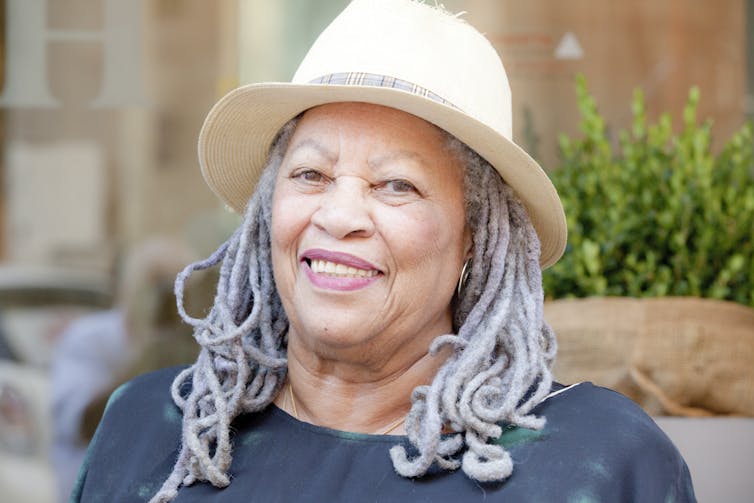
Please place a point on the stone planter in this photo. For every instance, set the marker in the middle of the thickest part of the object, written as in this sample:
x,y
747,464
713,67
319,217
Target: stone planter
x,y
674,355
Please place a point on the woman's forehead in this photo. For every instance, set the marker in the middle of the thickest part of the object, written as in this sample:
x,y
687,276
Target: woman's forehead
x,y
368,114
328,127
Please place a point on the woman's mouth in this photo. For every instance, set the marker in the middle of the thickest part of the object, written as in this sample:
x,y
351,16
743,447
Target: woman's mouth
x,y
330,270
336,270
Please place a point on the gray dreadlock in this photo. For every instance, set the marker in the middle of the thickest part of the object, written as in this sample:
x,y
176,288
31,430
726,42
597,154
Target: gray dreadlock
x,y
498,371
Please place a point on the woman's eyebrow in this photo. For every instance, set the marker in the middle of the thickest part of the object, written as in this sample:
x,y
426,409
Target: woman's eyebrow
x,y
314,145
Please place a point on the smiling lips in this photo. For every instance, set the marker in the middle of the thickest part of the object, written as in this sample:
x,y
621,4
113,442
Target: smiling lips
x,y
338,271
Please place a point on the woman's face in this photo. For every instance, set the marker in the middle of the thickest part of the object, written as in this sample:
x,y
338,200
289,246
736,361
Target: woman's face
x,y
368,232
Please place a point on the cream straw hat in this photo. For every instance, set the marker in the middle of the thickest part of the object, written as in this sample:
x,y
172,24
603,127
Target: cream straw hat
x,y
397,53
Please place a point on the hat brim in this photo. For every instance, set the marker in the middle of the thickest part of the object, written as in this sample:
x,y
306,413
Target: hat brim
x,y
236,136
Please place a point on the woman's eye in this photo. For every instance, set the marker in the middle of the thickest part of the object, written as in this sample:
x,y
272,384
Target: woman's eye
x,y
309,176
399,186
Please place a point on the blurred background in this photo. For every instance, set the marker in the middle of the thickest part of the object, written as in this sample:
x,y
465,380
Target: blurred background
x,y
103,202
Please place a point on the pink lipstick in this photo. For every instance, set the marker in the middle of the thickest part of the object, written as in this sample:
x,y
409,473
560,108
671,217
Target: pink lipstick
x,y
331,270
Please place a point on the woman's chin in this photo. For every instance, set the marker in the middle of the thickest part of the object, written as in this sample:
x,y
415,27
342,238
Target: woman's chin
x,y
335,338
349,344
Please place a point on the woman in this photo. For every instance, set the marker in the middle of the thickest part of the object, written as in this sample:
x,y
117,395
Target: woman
x,y
383,294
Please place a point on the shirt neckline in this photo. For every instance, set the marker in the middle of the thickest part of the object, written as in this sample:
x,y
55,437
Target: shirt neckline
x,y
276,411
331,432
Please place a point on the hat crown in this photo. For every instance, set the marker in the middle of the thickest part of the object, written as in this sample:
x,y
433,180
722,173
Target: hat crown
x,y
421,45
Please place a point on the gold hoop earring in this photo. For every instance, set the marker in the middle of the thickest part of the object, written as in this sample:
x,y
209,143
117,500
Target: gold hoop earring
x,y
465,271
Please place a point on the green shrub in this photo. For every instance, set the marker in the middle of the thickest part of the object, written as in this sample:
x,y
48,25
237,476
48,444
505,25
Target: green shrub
x,y
662,215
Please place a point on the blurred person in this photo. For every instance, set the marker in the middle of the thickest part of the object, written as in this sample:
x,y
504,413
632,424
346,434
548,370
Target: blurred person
x,y
98,352
378,332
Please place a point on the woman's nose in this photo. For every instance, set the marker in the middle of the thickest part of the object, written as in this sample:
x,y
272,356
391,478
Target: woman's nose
x,y
343,210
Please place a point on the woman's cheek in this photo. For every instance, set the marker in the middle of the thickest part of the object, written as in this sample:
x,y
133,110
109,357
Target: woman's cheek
x,y
425,235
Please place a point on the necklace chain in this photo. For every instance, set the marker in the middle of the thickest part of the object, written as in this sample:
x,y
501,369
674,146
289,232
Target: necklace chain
x,y
385,431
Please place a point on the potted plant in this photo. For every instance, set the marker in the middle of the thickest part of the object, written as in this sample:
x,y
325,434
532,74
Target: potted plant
x,y
661,245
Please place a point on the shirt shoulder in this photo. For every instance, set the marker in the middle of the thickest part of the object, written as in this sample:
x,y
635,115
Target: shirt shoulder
x,y
140,433
611,439
144,391
597,412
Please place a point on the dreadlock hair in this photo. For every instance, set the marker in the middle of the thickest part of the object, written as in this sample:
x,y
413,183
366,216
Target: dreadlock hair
x,y
500,366
498,371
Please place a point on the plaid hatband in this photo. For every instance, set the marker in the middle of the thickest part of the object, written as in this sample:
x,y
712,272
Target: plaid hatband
x,y
376,80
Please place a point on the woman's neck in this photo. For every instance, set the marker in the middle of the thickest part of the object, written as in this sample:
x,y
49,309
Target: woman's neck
x,y
345,397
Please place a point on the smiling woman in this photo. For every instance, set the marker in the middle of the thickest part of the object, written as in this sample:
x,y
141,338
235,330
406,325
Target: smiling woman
x,y
386,279
372,188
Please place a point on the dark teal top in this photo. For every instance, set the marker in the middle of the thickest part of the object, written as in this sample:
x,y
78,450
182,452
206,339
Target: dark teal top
x,y
597,446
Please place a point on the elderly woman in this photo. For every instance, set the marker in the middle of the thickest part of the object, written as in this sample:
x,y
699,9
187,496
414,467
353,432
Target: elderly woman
x,y
378,319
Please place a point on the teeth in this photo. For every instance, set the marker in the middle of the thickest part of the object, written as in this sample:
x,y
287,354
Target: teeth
x,y
340,270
